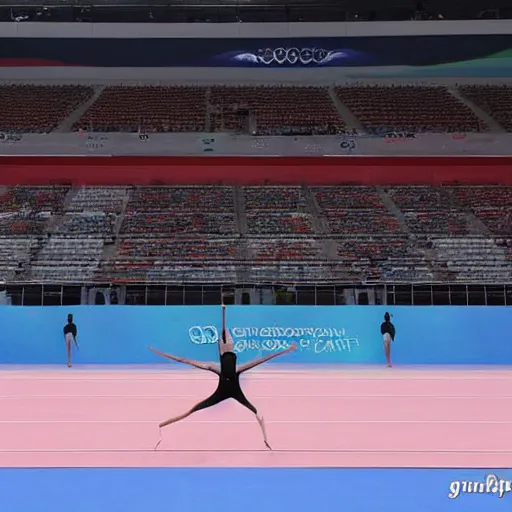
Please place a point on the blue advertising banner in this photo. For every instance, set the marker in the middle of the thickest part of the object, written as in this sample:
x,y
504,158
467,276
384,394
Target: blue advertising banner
x,y
330,334
441,53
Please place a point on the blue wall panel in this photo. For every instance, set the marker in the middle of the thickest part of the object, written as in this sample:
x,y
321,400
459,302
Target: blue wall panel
x,y
120,334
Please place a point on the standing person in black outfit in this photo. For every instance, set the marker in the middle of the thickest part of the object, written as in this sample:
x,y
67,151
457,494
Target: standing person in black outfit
x,y
70,333
229,377
387,330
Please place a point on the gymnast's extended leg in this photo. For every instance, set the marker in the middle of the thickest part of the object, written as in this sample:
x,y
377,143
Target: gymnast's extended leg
x,y
177,418
241,398
209,402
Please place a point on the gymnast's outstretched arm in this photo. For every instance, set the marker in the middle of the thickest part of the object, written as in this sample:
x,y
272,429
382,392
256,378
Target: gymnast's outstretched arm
x,y
257,362
211,367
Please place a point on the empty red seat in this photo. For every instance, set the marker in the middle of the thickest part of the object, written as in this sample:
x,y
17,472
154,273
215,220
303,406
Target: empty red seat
x,y
38,109
496,100
415,108
147,109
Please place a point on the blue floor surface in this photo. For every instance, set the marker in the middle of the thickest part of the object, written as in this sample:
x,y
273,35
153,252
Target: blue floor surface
x,y
244,490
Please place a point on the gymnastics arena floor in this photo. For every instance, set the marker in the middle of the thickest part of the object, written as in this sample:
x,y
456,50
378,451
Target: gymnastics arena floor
x,y
357,439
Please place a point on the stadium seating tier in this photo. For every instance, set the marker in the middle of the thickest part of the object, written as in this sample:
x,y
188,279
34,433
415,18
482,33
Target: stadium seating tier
x,y
195,234
265,110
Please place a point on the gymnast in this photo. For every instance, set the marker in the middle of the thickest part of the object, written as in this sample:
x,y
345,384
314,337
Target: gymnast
x,y
70,333
388,332
229,377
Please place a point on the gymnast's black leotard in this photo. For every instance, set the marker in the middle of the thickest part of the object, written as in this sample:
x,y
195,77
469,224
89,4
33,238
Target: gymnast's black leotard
x,y
228,387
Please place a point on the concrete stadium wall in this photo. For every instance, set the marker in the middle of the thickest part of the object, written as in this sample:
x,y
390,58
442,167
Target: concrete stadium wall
x,y
251,30
326,335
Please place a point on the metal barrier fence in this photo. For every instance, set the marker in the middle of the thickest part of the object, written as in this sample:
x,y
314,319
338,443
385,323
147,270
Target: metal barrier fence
x,y
327,294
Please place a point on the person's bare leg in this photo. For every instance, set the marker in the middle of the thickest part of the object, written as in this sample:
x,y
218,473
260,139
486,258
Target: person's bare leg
x,y
387,349
69,354
168,422
209,402
261,421
241,399
176,418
